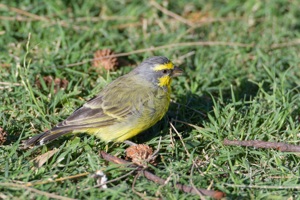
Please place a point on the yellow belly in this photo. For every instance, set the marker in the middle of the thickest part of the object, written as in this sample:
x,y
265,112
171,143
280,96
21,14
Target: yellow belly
x,y
134,124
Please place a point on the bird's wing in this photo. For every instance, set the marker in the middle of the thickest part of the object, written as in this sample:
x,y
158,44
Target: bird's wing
x,y
113,104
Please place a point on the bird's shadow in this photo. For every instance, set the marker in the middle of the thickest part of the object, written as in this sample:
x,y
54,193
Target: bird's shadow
x,y
194,109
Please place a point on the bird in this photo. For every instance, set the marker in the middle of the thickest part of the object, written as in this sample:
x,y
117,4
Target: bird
x,y
124,108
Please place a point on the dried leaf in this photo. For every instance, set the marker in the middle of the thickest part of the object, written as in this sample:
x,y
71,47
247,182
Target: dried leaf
x,y
3,136
42,159
58,83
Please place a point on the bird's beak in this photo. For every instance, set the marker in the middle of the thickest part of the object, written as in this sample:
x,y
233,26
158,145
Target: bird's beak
x,y
177,72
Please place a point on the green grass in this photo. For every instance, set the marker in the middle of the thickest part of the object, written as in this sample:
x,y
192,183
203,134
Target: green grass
x,y
243,93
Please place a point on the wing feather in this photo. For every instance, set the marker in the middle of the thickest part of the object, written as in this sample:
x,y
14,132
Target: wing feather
x,y
110,106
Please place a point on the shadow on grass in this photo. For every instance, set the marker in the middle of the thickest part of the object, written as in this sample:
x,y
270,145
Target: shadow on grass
x,y
194,109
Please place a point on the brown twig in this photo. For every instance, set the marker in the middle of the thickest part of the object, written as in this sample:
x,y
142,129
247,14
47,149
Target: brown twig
x,y
17,18
182,142
181,139
186,123
104,18
281,187
57,180
202,22
127,25
78,19
136,192
33,190
156,179
8,85
280,146
171,14
25,13
285,44
40,18
174,45
192,183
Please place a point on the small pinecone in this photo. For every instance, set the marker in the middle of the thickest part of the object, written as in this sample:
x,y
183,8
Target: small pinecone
x,y
140,154
109,63
58,83
3,136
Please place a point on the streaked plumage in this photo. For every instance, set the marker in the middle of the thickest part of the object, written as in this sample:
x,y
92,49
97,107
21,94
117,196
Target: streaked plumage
x,y
127,106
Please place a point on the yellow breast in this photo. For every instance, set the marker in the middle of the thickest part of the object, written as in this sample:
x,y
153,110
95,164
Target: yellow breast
x,y
148,113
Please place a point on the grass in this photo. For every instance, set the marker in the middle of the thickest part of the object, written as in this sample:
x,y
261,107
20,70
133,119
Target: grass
x,y
228,91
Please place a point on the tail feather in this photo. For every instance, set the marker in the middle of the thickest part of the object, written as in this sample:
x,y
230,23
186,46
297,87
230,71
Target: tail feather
x,y
45,137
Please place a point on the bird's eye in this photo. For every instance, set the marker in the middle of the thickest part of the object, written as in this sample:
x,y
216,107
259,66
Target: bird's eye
x,y
165,71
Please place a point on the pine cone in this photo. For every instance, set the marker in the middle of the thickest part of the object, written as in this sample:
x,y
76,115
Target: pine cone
x,y
140,154
100,60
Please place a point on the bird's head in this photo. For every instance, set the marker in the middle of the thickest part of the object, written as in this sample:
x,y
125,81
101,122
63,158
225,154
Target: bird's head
x,y
159,70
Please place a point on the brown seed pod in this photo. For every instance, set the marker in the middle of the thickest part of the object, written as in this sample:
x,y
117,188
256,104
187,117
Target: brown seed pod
x,y
105,59
140,154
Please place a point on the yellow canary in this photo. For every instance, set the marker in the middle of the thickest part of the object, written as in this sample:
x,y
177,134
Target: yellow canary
x,y
127,106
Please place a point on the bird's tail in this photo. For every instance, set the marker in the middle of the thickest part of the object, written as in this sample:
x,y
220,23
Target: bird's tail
x,y
45,137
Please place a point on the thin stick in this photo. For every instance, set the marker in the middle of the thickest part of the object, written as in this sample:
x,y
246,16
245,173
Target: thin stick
x,y
174,45
136,192
295,187
47,194
157,149
280,146
285,44
10,84
42,18
171,138
180,137
171,14
23,12
16,18
186,123
57,180
156,179
192,183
